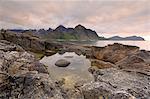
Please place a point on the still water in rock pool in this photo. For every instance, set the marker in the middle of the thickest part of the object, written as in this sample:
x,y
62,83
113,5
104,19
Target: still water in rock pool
x,y
77,71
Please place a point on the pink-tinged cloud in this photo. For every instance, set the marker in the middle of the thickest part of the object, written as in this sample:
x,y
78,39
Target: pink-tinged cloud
x,y
107,17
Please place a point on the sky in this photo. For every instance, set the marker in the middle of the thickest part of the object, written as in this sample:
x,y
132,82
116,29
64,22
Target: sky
x,y
106,17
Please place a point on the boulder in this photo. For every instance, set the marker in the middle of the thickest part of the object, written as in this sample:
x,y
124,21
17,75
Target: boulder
x,y
62,63
113,53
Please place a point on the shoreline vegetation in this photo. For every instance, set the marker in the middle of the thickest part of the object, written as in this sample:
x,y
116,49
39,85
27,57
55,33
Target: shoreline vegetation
x,y
119,71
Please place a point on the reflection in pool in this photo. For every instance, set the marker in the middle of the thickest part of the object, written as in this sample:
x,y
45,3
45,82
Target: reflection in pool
x,y
76,71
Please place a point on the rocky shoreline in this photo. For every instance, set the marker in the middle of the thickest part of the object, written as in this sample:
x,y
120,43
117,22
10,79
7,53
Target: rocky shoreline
x,y
37,45
120,71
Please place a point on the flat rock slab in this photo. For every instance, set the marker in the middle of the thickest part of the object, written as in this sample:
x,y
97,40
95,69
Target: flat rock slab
x,y
62,63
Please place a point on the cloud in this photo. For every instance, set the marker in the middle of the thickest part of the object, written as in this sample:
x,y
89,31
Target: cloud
x,y
105,16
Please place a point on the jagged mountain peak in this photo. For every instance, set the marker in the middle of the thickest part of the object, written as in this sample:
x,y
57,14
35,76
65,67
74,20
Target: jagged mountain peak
x,y
80,27
60,28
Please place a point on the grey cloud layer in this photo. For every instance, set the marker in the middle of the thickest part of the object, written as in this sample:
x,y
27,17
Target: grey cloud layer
x,y
110,16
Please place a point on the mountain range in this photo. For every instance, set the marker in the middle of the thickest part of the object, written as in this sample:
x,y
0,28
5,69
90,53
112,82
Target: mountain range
x,y
79,32
61,32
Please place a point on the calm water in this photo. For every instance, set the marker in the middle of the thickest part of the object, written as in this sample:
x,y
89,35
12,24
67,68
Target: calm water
x,y
76,71
142,44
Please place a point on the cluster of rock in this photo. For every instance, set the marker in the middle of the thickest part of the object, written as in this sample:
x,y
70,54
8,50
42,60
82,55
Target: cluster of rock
x,y
22,76
120,72
37,45
30,43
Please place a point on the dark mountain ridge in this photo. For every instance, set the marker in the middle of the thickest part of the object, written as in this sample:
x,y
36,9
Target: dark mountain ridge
x,y
132,38
61,32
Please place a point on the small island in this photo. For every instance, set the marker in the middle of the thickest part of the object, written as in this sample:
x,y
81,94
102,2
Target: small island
x,y
129,38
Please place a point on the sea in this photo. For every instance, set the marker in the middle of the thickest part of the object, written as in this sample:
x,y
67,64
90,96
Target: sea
x,y
143,45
